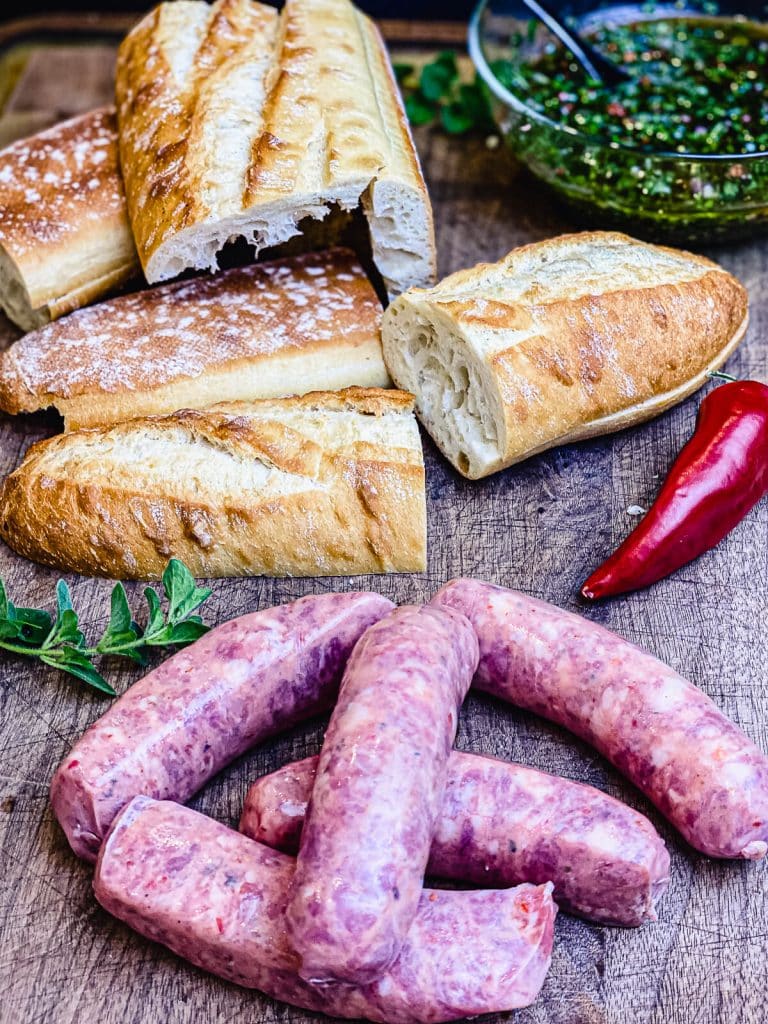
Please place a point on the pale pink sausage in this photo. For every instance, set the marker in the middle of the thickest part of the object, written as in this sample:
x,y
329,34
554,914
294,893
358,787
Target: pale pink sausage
x,y
659,730
502,824
173,730
378,793
218,899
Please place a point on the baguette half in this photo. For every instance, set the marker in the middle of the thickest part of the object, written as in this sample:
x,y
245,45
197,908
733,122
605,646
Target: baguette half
x,y
65,239
324,485
559,341
239,123
311,323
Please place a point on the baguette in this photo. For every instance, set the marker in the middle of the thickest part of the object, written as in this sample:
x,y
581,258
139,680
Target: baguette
x,y
235,122
65,239
327,484
559,341
307,324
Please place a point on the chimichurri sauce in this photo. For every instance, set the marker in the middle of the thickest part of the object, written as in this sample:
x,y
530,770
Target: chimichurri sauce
x,y
697,85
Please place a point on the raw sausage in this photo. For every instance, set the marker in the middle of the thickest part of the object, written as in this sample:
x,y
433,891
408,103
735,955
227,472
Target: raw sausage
x,y
218,899
660,731
174,729
378,793
502,824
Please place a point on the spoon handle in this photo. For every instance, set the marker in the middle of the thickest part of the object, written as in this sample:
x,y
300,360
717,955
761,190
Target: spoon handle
x,y
594,63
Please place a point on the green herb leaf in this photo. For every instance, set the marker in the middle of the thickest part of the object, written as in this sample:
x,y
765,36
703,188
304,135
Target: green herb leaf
x,y
178,584
418,110
63,598
155,621
124,645
183,594
79,665
122,634
120,614
10,629
179,634
474,101
65,627
30,624
33,619
438,94
435,81
403,72
447,60
59,642
455,119
187,632
68,632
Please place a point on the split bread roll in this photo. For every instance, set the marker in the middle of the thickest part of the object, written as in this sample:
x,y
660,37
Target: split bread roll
x,y
324,485
65,239
559,341
310,323
237,122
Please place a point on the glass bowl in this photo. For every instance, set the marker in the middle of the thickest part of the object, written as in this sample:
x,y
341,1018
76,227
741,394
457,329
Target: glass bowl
x,y
674,197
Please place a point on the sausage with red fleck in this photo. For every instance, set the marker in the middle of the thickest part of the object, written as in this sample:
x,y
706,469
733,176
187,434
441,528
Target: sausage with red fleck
x,y
218,899
659,730
173,730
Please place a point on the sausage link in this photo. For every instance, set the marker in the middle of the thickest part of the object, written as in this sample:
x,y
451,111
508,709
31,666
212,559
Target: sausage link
x,y
218,899
203,707
659,730
378,793
502,824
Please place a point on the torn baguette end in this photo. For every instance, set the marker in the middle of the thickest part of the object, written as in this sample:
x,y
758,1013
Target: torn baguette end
x,y
560,341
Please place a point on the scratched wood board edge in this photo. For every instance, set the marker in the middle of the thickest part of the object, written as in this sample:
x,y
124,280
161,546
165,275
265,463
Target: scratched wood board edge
x,y
539,527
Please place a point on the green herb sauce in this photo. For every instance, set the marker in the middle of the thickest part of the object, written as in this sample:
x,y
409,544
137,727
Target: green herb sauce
x,y
696,86
640,153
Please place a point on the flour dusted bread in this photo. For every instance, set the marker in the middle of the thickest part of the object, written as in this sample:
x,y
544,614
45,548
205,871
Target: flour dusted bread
x,y
65,239
291,326
559,341
238,122
327,484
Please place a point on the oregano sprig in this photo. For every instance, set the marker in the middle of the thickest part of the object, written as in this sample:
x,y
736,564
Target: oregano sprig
x,y
58,640
436,93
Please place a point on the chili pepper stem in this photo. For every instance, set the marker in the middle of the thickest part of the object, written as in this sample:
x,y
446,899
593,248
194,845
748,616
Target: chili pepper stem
x,y
720,375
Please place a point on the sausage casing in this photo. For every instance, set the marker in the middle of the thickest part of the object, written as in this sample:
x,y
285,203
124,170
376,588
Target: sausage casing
x,y
502,824
218,899
660,731
174,729
378,792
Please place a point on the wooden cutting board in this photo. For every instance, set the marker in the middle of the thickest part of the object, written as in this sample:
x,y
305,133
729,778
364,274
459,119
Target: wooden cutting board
x,y
539,527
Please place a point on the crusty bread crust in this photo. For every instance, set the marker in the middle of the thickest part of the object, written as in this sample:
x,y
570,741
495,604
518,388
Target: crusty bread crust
x,y
559,341
65,239
183,129
237,123
287,327
326,484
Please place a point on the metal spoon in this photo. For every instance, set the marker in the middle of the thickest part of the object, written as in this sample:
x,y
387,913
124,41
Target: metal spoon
x,y
594,63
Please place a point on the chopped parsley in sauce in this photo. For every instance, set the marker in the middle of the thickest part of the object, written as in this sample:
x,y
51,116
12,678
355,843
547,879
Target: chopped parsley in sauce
x,y
696,85
673,152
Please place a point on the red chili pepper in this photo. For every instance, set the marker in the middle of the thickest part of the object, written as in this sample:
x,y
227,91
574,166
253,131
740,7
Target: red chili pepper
x,y
716,479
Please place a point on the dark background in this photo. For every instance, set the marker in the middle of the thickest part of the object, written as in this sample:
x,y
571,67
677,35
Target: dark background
x,y
453,10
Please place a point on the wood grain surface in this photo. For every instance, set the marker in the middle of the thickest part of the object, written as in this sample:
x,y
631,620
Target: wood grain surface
x,y
539,527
